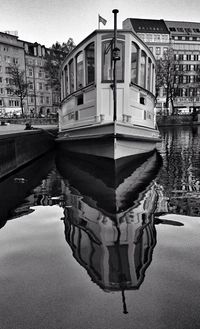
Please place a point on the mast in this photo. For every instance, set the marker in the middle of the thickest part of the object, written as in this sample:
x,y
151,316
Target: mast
x,y
115,57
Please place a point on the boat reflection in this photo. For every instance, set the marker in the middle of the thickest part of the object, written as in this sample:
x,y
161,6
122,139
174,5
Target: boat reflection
x,y
110,220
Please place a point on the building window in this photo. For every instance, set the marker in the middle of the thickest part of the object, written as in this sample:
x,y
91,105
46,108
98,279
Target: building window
x,y
40,74
30,72
16,60
7,59
157,37
41,99
89,63
188,30
8,69
79,71
47,100
158,51
13,103
134,62
1,79
30,85
149,37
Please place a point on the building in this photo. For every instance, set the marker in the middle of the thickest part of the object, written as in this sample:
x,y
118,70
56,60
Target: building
x,y
153,32
41,99
11,52
184,39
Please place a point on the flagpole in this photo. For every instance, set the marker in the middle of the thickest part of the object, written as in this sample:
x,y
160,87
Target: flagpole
x,y
98,22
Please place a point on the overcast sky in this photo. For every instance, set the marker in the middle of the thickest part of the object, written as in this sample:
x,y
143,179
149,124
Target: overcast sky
x,y
48,21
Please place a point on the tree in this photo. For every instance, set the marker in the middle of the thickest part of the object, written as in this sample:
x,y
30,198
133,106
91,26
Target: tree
x,y
167,76
18,83
54,58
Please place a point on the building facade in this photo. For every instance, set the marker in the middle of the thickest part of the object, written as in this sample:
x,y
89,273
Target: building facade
x,y
11,52
184,39
41,99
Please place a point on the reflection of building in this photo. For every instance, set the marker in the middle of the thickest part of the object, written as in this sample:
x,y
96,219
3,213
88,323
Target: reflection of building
x,y
180,176
28,188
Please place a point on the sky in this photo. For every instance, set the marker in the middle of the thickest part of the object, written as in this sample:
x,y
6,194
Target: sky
x,y
48,21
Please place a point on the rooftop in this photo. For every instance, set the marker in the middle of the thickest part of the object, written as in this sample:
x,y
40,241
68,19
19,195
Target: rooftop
x,y
149,25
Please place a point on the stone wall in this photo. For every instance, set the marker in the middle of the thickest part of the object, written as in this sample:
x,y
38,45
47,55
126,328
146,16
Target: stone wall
x,y
17,149
175,120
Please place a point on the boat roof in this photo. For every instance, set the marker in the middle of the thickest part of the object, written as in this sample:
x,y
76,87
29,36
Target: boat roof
x,y
108,31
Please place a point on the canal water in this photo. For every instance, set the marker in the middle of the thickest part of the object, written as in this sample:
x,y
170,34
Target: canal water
x,y
82,249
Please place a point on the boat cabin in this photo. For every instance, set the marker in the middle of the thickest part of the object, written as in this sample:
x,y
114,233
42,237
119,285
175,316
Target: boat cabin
x,y
87,81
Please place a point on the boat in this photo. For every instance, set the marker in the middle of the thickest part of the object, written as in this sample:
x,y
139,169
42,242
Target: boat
x,y
107,92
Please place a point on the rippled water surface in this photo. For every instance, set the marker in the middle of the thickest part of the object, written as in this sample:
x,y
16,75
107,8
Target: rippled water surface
x,y
80,248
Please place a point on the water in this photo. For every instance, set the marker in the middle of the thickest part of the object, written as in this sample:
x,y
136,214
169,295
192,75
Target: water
x,y
80,249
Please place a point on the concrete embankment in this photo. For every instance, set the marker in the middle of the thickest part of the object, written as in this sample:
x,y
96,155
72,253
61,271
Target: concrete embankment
x,y
18,146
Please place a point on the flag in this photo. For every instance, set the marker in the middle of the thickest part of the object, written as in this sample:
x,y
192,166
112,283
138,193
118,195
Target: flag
x,y
102,20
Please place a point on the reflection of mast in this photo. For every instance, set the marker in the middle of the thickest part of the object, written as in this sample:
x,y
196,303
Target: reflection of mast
x,y
121,275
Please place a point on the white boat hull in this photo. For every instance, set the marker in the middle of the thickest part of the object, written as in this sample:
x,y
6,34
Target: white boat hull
x,y
110,140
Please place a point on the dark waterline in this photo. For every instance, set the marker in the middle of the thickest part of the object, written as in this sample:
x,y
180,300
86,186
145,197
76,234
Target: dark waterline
x,y
81,250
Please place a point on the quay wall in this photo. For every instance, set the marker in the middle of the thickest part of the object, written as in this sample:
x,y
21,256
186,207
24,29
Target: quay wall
x,y
17,149
176,120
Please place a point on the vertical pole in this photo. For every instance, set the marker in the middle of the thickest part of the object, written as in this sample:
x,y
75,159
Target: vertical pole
x,y
115,11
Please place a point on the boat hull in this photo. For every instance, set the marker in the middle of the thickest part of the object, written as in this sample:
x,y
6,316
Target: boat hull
x,y
112,140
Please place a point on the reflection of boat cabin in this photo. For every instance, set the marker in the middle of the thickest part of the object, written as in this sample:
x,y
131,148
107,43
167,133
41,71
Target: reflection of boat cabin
x,y
87,74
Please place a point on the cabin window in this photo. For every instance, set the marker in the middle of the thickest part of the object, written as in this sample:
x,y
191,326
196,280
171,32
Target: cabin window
x,y
71,76
134,62
79,99
142,100
106,61
89,61
107,67
153,77
65,81
149,74
142,69
79,70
